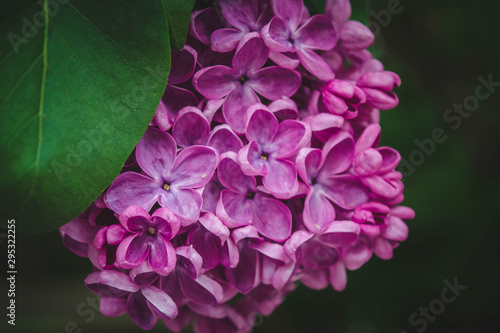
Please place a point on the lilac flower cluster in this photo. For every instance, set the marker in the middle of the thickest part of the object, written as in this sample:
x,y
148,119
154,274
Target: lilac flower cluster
x,y
260,169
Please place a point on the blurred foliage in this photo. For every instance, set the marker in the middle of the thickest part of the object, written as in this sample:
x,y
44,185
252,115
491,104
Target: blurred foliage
x,y
439,49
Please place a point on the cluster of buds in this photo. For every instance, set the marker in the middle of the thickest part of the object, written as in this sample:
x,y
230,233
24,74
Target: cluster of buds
x,y
260,169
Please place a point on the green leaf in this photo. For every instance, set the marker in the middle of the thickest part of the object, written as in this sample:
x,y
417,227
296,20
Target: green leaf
x,y
179,15
81,81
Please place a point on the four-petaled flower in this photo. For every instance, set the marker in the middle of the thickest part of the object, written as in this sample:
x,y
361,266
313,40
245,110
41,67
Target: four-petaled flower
x,y
150,239
241,83
270,144
322,170
168,180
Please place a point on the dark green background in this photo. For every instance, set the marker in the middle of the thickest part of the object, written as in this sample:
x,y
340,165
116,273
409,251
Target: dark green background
x,y
439,48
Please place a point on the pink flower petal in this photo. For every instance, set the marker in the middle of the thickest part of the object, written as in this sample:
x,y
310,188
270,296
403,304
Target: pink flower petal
x,y
261,126
185,203
204,23
232,177
290,11
338,276
345,190
281,178
202,290
140,312
317,33
236,105
155,153
162,303
215,82
234,209
190,127
226,39
113,306
315,64
183,64
131,188
272,218
275,82
193,167
290,137
318,211
223,139
251,54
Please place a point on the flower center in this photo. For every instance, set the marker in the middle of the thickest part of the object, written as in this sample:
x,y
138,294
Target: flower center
x,y
151,231
250,195
166,187
264,156
243,79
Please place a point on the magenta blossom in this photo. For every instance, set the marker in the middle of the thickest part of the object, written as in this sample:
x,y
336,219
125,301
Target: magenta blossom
x,y
150,239
375,166
269,145
244,16
378,87
243,204
247,77
323,172
211,240
120,295
341,98
260,169
283,34
169,179
319,255
106,241
187,282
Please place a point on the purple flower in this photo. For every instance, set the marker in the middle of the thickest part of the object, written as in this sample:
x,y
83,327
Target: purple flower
x,y
203,23
210,238
259,175
284,108
395,232
150,239
145,305
341,98
324,125
243,204
77,235
190,127
283,35
378,87
322,170
269,145
371,216
106,242
168,179
339,11
244,16
187,282
375,166
246,275
241,83
318,256
355,36
223,139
